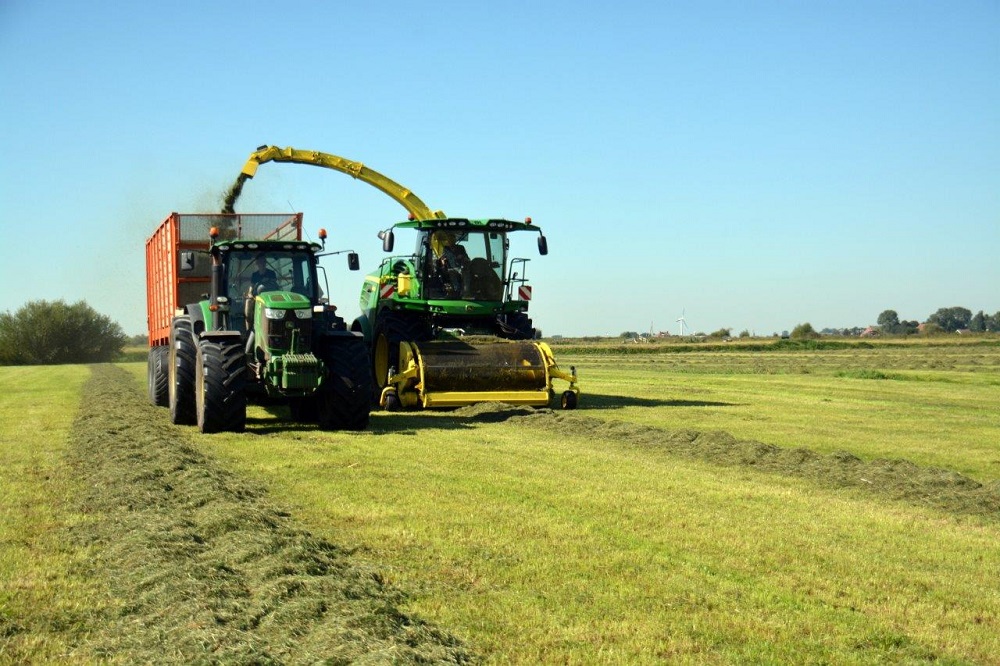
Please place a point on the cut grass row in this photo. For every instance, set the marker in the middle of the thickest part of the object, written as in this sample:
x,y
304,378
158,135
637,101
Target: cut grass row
x,y
873,403
124,545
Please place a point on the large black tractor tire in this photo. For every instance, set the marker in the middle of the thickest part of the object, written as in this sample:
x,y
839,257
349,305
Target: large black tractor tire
x,y
158,376
344,399
220,386
391,329
181,360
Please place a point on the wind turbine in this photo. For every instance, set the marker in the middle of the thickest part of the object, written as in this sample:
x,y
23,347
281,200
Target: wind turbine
x,y
682,322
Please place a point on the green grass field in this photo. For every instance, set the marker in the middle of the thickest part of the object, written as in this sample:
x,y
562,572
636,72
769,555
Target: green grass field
x,y
860,524
45,601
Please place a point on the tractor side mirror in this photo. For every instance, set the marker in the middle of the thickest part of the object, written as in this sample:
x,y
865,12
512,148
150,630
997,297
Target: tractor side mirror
x,y
387,240
187,260
353,263
543,245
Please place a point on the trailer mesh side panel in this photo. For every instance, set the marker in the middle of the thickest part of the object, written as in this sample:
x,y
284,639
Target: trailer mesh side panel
x,y
255,226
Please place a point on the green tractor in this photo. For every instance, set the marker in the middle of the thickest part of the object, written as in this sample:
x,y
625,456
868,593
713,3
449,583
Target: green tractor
x,y
263,331
448,325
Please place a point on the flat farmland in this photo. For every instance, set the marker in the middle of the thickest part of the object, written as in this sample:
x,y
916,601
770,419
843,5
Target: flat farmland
x,y
771,504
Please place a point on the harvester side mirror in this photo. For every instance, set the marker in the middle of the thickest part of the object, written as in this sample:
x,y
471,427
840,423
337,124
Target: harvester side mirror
x,y
543,245
387,240
187,260
353,263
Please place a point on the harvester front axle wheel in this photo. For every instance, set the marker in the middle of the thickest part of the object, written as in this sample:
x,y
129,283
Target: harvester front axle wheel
x,y
393,328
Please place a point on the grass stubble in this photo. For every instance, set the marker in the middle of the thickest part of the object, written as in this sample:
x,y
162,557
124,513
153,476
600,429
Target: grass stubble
x,y
46,599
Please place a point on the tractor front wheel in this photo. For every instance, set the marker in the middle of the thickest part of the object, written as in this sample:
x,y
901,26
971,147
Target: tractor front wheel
x,y
220,387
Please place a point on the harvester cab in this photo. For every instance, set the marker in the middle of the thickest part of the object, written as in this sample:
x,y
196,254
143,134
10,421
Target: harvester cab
x,y
264,328
448,325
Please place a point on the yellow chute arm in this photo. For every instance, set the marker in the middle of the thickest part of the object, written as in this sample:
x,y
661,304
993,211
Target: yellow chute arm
x,y
410,201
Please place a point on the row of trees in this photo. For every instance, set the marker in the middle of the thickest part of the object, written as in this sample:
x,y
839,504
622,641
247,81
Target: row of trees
x,y
43,333
948,320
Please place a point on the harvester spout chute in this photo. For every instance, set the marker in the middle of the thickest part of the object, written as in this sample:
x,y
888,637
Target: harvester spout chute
x,y
407,199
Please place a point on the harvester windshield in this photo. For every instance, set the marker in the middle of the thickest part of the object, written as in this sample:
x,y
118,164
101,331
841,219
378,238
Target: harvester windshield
x,y
462,264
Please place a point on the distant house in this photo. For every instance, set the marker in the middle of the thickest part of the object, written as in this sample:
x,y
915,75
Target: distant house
x,y
870,332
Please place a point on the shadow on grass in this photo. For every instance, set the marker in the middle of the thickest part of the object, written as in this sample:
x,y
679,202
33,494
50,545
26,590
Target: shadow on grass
x,y
596,401
412,422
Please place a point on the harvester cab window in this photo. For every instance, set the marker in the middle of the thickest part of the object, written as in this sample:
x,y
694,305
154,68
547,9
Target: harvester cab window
x,y
462,264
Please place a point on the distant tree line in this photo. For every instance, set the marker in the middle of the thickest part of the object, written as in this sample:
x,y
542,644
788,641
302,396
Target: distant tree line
x,y
44,333
947,320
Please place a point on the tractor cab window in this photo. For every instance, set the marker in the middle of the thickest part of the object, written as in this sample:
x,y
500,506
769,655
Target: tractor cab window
x,y
251,273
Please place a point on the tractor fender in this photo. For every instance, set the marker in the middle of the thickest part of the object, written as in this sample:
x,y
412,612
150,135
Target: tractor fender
x,y
221,335
197,314
338,335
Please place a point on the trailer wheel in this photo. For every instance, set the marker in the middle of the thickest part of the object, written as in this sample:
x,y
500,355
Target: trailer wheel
x,y
344,398
220,387
158,376
180,370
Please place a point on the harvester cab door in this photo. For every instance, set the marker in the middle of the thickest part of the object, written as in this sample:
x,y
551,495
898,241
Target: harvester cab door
x,y
433,279
482,274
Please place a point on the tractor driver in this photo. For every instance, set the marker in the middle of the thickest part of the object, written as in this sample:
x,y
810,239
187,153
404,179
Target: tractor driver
x,y
263,275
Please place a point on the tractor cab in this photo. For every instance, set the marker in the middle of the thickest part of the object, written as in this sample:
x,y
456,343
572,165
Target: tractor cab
x,y
277,276
281,277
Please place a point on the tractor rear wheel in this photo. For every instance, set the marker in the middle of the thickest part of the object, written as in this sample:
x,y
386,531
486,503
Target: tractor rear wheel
x,y
180,371
220,386
391,329
158,376
344,398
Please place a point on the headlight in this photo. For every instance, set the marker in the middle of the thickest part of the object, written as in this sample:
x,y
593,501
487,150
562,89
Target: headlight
x,y
304,314
272,313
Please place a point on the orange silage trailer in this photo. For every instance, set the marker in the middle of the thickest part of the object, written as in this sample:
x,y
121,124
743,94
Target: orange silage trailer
x,y
168,289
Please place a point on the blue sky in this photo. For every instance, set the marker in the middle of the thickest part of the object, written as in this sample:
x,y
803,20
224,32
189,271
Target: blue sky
x,y
753,165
